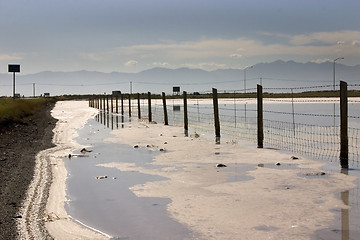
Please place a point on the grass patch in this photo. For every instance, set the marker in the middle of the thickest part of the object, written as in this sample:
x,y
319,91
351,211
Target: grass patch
x,y
15,110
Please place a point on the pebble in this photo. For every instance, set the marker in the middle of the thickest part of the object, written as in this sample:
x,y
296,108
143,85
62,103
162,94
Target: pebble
x,y
101,177
219,165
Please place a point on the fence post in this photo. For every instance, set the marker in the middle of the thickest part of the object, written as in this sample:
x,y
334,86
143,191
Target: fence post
x,y
216,116
116,104
260,123
149,106
107,103
344,147
111,104
104,106
186,123
138,103
122,104
165,109
129,105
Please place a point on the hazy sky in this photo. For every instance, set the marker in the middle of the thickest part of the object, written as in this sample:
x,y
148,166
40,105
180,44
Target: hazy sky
x,y
133,35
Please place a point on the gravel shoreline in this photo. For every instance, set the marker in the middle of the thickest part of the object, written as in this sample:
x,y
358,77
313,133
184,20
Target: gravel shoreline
x,y
19,145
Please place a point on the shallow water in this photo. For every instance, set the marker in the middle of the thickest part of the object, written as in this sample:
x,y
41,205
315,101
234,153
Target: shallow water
x,y
107,204
346,225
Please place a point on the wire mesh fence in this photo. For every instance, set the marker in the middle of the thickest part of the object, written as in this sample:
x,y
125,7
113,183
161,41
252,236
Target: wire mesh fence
x,y
308,126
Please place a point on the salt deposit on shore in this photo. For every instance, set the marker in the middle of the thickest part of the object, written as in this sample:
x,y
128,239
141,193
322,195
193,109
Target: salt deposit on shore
x,y
72,115
289,201
262,202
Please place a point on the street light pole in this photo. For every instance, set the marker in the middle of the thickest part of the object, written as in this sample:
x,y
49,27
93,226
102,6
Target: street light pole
x,y
245,77
339,58
245,87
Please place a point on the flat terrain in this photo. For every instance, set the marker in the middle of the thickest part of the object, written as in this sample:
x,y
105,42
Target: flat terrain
x,y
19,144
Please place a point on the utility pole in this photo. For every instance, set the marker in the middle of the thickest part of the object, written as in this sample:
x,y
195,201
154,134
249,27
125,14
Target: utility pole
x,y
33,89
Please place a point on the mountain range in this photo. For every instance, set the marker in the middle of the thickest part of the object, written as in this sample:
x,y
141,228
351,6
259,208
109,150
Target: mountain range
x,y
278,74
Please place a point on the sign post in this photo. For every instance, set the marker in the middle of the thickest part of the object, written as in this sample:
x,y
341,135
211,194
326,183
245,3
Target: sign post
x,y
14,68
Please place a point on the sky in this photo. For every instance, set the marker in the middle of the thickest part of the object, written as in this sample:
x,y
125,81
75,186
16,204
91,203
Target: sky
x,y
135,35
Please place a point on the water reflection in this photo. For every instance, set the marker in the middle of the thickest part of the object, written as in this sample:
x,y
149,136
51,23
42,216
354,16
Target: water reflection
x,y
345,216
347,223
110,120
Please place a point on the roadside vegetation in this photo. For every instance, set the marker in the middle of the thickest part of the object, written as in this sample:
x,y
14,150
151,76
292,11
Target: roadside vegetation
x,y
15,110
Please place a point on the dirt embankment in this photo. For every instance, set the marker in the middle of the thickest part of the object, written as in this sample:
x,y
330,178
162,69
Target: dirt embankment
x,y
19,144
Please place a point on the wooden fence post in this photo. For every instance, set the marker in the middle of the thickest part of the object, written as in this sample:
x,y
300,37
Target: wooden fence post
x,y
122,104
165,109
111,104
116,104
149,106
129,105
216,116
104,103
138,103
260,123
186,122
344,147
107,103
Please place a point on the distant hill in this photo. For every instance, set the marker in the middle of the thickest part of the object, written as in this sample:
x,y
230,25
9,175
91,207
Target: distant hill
x,y
156,80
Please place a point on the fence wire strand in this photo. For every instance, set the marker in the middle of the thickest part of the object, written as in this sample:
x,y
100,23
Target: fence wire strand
x,y
238,121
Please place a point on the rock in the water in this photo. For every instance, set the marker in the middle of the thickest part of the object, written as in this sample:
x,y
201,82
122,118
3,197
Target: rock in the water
x,y
101,177
277,164
260,165
84,150
294,158
219,165
315,174
136,146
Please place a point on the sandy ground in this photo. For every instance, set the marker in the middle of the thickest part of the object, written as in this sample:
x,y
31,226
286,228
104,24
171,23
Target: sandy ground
x,y
270,202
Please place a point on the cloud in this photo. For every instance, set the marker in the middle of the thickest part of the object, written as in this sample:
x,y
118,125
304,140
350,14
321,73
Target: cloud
x,y
243,47
356,43
341,37
235,55
225,53
321,60
131,63
160,64
7,57
92,56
